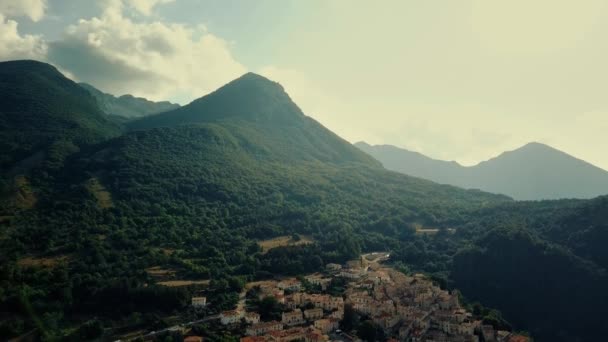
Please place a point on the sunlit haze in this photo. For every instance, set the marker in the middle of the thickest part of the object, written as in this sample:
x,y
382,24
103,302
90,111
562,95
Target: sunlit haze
x,y
455,80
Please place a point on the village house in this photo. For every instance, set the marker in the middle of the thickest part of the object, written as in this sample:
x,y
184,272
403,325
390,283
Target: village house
x,y
487,332
231,317
253,339
292,318
386,321
352,273
193,338
264,328
313,314
333,267
288,335
317,279
292,285
252,317
327,325
338,314
199,302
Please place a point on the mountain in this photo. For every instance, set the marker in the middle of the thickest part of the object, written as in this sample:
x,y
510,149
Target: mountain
x,y
190,194
532,172
127,106
259,111
44,116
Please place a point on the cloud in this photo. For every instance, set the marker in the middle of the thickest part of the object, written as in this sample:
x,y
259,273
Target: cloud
x,y
15,46
34,9
152,59
146,7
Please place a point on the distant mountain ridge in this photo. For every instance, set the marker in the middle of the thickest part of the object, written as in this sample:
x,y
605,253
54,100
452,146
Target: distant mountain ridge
x,y
127,106
533,172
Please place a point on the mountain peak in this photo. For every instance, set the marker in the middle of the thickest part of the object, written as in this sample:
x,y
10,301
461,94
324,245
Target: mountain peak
x,y
251,98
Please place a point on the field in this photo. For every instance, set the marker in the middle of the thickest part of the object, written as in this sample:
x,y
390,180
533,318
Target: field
x,y
283,241
102,195
42,261
175,283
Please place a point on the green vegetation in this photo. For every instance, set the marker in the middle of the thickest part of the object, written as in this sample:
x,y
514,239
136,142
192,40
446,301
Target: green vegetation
x,y
209,180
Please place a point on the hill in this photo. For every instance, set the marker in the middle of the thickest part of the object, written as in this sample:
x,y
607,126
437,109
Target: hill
x,y
192,191
127,106
532,172
43,114
274,125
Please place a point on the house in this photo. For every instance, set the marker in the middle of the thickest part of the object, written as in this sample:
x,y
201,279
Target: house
x,y
288,335
317,279
352,273
199,302
193,339
252,317
312,314
333,267
487,332
315,336
338,314
231,317
264,328
326,325
253,339
290,285
292,318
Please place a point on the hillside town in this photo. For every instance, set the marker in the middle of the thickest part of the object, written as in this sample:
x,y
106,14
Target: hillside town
x,y
405,307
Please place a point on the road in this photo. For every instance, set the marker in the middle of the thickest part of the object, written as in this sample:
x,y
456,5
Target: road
x,y
240,306
181,326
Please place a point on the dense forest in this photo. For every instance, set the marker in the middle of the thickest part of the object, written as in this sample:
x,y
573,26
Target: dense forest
x,y
193,190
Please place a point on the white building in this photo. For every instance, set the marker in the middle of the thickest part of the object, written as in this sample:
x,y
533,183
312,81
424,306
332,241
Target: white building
x,y
231,317
199,302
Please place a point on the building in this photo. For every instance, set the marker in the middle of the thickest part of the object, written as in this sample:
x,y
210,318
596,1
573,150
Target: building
x,y
263,328
252,317
333,267
318,280
231,317
292,285
292,318
199,302
293,334
253,339
326,325
313,314
338,314
193,339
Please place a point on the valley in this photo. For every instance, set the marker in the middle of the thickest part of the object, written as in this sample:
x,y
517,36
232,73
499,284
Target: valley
x,y
120,223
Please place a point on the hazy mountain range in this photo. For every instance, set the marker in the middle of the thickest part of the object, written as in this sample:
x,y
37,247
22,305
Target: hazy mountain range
x,y
532,172
89,204
127,106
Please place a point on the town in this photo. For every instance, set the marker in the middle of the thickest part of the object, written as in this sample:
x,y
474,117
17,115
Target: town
x,y
403,307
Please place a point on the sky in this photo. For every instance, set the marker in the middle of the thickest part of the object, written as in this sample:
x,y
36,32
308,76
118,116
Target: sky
x,y
455,80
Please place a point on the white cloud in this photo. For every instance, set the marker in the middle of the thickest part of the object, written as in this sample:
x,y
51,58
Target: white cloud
x,y
152,59
146,7
34,9
15,46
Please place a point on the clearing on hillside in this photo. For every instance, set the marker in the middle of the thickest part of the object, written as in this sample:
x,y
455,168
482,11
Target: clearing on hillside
x,y
175,283
282,241
32,261
102,195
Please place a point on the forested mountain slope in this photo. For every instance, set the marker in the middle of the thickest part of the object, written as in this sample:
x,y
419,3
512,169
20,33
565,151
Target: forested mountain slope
x,y
193,190
40,109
